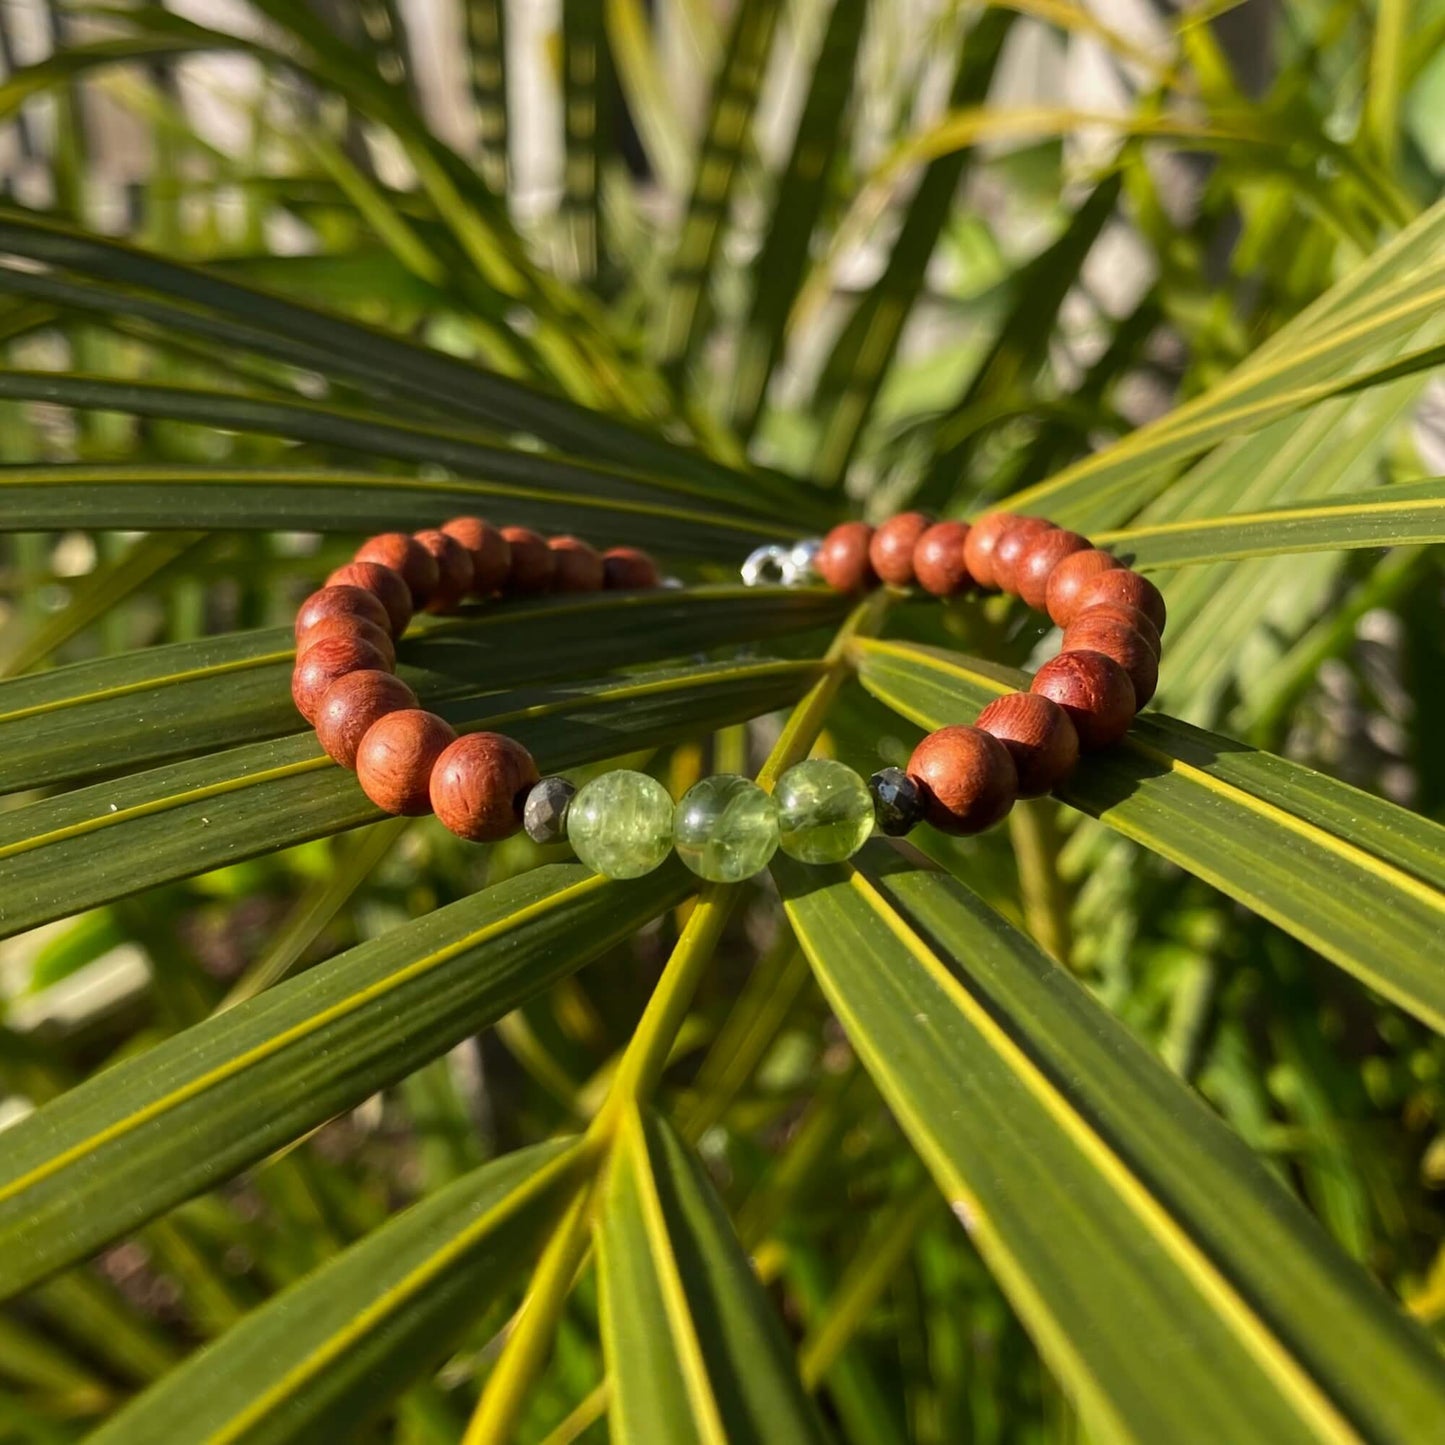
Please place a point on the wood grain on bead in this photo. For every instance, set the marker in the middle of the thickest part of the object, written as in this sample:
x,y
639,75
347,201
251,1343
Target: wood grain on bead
x,y
1067,580
491,555
331,658
628,569
1095,692
406,557
1128,587
938,560
341,600
1009,552
983,537
579,566
455,572
890,550
842,561
343,626
1041,555
384,584
480,784
395,760
1129,616
968,779
1040,737
352,704
533,565
1089,632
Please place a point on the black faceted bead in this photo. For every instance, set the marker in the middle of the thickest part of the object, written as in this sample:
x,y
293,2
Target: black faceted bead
x,y
544,814
897,801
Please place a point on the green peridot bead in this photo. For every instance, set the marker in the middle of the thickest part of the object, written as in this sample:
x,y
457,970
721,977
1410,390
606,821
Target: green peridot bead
x,y
726,829
620,825
825,811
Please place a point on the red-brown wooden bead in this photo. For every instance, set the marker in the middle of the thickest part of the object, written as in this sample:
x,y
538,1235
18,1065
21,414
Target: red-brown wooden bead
x,y
491,554
1040,556
1039,736
343,626
331,658
455,571
1067,580
579,566
967,778
384,584
1009,553
1122,585
533,565
628,569
842,561
890,551
938,561
351,704
1089,632
480,784
406,556
341,600
1129,616
1095,692
983,538
395,760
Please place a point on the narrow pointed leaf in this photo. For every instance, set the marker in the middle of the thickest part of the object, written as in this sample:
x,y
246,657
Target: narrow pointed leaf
x,y
124,712
1147,1250
1358,879
112,839
329,1354
693,1347
145,1134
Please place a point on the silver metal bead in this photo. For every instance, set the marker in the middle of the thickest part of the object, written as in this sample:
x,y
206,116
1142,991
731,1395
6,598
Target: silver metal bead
x,y
764,566
802,562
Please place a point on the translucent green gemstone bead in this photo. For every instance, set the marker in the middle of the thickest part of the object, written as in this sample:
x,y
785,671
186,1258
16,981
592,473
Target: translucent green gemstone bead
x,y
620,825
726,829
825,811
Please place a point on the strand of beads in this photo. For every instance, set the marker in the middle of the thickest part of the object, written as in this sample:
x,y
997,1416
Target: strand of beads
x,y
964,779
407,760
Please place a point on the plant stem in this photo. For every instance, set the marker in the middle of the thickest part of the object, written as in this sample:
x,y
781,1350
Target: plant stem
x,y
1035,836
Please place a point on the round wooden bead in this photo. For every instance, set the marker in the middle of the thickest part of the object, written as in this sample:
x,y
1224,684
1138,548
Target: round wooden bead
x,y
1039,736
983,538
395,760
890,550
1067,580
842,561
1090,632
967,777
533,565
406,556
343,626
351,704
1040,556
455,572
1095,692
1129,616
384,584
490,552
579,566
938,561
1009,552
331,658
479,786
1122,585
341,600
628,569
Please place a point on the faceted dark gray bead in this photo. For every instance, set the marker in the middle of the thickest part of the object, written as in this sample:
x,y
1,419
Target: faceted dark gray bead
x,y
544,814
897,801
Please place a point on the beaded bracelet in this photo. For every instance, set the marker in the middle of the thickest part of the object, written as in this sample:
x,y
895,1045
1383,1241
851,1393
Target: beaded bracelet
x,y
484,786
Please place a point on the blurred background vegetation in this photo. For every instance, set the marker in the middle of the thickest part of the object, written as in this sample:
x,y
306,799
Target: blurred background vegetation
x,y
915,252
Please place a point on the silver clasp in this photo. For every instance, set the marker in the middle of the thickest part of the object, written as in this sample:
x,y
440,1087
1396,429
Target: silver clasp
x,y
781,566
